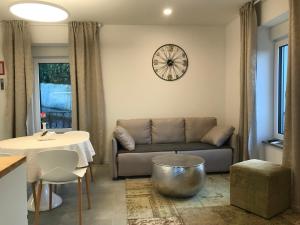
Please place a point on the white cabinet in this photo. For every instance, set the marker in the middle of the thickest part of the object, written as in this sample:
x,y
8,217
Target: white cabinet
x,y
13,195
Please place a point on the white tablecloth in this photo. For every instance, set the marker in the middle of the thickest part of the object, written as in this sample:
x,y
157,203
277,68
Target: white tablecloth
x,y
29,146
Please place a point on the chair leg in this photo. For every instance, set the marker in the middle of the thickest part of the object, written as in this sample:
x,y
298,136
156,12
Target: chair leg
x,y
91,171
34,193
87,186
50,196
79,186
55,188
37,209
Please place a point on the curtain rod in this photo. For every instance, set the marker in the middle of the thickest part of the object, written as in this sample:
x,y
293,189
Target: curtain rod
x,y
257,1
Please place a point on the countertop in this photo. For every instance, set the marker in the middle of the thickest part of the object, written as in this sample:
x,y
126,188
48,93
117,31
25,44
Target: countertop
x,y
9,163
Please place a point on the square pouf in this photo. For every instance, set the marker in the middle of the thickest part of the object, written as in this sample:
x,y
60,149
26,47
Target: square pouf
x,y
260,187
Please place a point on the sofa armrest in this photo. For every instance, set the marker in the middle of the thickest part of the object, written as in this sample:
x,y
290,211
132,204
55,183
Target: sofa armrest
x,y
233,142
114,158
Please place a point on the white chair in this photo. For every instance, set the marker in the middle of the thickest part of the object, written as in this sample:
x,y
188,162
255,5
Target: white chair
x,y
74,132
59,167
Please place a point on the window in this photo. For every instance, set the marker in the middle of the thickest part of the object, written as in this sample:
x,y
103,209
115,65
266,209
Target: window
x,y
281,65
53,92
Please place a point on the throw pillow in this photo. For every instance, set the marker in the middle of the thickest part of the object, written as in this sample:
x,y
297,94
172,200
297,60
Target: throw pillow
x,y
126,140
218,135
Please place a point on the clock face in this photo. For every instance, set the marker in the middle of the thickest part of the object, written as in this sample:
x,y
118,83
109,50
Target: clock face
x,y
170,62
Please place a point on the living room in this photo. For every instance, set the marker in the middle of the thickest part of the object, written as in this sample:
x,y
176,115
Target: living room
x,y
131,33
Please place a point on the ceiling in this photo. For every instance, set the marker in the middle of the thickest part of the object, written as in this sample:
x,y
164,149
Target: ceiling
x,y
141,12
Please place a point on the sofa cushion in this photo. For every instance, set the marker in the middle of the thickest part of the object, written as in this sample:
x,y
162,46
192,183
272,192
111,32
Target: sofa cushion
x,y
137,164
218,135
197,127
216,160
126,140
172,147
139,129
168,130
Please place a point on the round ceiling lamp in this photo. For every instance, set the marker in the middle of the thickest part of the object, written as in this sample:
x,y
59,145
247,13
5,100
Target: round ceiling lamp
x,y
39,11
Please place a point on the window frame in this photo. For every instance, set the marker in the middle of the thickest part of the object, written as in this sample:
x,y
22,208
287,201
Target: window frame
x,y
277,46
36,94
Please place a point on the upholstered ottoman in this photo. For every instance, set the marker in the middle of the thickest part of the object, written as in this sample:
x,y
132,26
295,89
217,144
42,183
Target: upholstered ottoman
x,y
260,187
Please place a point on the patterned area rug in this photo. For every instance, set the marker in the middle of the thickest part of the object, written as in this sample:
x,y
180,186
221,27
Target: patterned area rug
x,y
145,206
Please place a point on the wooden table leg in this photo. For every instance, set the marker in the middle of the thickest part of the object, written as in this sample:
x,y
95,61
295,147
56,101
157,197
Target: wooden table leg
x,y
91,171
79,186
34,193
37,209
50,196
87,186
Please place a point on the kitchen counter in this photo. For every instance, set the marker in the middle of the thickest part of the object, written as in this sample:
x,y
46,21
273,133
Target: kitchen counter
x,y
9,163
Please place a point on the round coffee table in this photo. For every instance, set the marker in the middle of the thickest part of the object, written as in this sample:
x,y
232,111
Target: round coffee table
x,y
178,175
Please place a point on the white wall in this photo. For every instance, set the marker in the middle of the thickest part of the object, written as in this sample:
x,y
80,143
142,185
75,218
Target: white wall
x,y
232,73
279,31
273,154
210,87
272,12
274,26
132,90
42,33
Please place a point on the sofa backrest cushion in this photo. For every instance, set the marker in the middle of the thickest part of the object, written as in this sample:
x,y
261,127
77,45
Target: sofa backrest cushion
x,y
139,129
218,135
197,127
168,130
125,139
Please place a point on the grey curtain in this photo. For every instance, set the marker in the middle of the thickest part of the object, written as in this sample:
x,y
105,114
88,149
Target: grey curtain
x,y
88,112
247,129
18,62
291,152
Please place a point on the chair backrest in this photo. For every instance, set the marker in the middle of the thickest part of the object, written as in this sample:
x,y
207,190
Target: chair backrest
x,y
72,132
76,132
57,165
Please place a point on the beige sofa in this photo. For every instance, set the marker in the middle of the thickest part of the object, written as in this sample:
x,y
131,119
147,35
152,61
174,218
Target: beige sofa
x,y
170,136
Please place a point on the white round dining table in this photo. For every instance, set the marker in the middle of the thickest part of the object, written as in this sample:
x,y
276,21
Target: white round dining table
x,y
30,146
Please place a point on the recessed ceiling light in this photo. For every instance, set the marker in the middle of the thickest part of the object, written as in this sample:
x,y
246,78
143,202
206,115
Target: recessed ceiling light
x,y
167,11
39,11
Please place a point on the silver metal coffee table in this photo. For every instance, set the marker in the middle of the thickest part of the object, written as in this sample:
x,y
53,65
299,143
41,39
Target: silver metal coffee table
x,y
178,175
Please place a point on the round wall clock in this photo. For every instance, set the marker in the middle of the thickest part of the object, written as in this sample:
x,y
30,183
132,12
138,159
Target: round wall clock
x,y
170,62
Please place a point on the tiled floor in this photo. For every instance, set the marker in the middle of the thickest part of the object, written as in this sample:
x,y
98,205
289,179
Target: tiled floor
x,y
108,203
